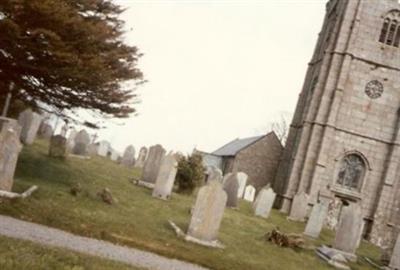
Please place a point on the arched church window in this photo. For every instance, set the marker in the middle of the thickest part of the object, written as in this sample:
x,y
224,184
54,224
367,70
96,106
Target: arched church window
x,y
351,172
390,33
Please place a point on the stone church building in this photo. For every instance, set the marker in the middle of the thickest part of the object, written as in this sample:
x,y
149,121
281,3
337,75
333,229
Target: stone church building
x,y
344,139
258,157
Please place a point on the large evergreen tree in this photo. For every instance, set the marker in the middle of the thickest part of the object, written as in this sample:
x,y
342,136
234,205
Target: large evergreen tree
x,y
67,54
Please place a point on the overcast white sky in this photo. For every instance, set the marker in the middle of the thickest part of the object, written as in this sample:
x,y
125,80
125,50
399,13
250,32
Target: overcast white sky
x,y
217,70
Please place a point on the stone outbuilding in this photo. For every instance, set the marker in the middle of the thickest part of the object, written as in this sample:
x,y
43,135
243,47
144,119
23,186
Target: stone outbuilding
x,y
258,157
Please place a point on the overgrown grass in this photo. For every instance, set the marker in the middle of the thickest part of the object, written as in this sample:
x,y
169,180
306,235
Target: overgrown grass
x,y
18,255
138,220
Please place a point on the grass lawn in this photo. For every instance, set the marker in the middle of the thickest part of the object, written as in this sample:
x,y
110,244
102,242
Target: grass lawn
x,y
138,220
18,254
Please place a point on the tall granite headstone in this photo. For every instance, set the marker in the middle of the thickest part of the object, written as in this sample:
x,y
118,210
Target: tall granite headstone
x,y
395,259
263,204
58,146
231,187
29,122
242,177
299,209
128,159
10,147
166,177
249,193
208,212
141,158
82,141
152,164
317,219
349,229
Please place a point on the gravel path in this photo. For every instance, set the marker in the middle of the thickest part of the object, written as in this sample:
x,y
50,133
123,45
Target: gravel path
x,y
15,228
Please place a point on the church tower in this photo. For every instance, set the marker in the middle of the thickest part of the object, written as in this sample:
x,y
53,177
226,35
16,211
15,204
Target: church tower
x,y
344,138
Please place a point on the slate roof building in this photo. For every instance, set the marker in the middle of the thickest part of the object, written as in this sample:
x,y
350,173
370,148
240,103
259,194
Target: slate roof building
x,y
258,157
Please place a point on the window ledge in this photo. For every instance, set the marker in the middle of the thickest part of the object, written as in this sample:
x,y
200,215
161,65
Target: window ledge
x,y
346,192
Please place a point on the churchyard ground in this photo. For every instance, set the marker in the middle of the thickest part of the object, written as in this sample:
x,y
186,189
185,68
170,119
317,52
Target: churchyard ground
x,y
139,220
18,254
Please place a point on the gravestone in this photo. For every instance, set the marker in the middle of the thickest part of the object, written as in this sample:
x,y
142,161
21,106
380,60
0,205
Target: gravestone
x,y
152,165
58,146
45,131
93,149
299,209
128,159
114,155
166,177
395,259
242,177
349,229
208,212
71,139
249,193
8,123
82,141
29,122
231,186
104,148
10,147
214,174
141,158
317,219
264,202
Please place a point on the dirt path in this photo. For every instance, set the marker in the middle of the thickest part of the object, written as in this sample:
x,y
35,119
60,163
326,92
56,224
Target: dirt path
x,y
15,228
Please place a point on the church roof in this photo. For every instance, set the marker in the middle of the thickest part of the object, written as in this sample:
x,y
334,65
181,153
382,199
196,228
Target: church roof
x,y
235,146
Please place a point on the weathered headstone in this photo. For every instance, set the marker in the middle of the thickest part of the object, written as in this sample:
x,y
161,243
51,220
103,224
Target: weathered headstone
x,y
231,186
348,231
10,148
166,177
104,147
249,193
141,158
71,139
299,209
82,141
152,164
29,122
395,259
93,149
214,174
128,159
242,177
8,123
58,146
264,202
45,131
317,219
208,212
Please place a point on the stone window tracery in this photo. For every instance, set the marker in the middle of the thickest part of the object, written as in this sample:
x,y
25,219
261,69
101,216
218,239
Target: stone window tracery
x,y
351,172
390,33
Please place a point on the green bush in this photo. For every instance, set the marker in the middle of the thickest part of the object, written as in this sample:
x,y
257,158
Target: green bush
x,y
191,173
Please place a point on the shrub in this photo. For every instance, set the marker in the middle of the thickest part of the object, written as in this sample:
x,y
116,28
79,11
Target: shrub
x,y
191,173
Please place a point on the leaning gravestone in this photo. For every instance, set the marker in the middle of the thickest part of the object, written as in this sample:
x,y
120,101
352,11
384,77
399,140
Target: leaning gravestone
x,y
10,148
208,212
249,193
128,159
242,177
141,158
317,219
348,231
152,164
58,147
166,177
8,123
29,122
82,141
231,186
45,131
264,202
299,209
395,259
214,174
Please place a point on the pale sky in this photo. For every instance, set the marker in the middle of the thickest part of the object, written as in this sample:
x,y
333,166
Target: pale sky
x,y
217,70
